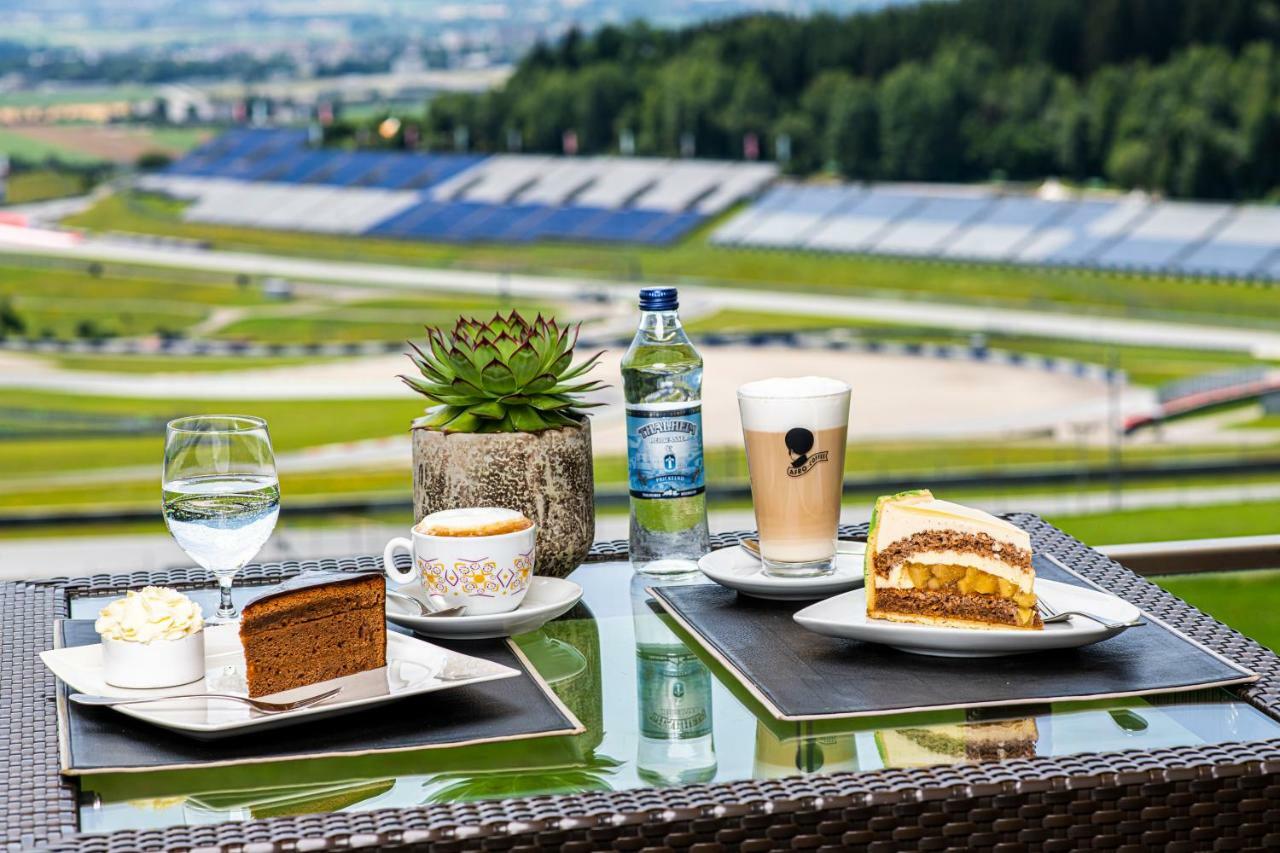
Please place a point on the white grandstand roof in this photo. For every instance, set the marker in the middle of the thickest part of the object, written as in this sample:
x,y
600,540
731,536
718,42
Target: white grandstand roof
x,y
495,180
1180,221
296,207
745,179
561,181
682,183
804,212
1252,225
622,179
739,226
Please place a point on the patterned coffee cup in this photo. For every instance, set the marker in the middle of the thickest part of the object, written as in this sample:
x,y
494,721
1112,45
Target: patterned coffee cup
x,y
486,574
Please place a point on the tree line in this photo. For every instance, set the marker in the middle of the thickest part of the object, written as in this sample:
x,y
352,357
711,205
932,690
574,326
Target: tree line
x,y
1175,96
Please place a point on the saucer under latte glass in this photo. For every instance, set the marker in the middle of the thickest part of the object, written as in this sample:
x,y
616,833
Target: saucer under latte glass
x,y
796,431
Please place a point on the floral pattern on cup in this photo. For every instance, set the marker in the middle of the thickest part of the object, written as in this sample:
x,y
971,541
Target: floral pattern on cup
x,y
481,576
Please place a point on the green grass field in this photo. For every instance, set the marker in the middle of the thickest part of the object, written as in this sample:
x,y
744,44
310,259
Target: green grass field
x,y
133,301
37,471
55,300
42,184
172,364
1144,365
1247,601
74,95
695,259
20,147
1255,518
295,424
1262,422
373,320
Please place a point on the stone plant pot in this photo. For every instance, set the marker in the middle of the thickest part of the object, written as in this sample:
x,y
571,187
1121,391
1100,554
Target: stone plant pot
x,y
545,475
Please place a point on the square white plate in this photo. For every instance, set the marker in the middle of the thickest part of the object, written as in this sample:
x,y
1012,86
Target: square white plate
x,y
845,616
412,668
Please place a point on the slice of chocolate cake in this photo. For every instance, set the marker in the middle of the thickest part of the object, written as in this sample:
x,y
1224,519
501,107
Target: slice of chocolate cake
x,y
938,563
314,628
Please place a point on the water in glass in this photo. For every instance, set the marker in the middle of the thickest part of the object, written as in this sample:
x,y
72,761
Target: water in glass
x,y
221,497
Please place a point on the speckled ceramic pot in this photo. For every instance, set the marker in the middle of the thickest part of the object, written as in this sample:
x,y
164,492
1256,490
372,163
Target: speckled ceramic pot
x,y
545,475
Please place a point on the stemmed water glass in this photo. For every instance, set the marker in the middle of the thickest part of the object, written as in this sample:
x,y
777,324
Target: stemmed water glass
x,y
221,493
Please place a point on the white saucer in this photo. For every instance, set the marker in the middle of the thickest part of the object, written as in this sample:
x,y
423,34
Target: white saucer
x,y
735,568
845,616
546,599
412,668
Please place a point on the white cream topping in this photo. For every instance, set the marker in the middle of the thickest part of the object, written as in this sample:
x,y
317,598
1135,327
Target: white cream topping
x,y
901,519
451,521
155,613
777,405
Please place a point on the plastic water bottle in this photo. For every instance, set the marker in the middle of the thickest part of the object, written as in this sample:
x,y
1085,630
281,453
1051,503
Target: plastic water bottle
x,y
662,380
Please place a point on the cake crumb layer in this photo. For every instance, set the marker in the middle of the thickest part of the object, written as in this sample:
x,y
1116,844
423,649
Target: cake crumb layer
x,y
900,551
937,607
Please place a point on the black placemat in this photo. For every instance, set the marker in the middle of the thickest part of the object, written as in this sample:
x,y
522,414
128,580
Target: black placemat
x,y
96,740
799,675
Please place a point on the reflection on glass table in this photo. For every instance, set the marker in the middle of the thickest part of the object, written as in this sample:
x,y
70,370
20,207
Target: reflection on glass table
x,y
656,712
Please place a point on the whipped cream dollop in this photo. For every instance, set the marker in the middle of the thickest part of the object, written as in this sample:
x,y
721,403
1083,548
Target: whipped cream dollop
x,y
155,613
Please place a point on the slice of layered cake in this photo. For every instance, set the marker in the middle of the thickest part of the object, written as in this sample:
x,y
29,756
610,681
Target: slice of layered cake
x,y
314,628
958,743
938,563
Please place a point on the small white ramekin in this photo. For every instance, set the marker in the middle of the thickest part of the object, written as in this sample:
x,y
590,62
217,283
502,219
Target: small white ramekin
x,y
160,663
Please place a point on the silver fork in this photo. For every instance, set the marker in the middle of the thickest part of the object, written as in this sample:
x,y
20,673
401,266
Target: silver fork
x,y
258,704
1048,615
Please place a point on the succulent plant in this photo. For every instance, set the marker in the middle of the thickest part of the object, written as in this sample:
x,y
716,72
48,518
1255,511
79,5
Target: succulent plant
x,y
506,375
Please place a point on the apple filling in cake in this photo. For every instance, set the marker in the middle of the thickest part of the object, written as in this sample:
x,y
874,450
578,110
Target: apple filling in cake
x,y
966,580
937,563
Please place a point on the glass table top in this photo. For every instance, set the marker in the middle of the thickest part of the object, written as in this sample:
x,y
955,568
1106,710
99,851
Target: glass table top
x,y
655,714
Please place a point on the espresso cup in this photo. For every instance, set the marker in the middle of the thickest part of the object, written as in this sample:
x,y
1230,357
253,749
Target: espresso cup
x,y
462,562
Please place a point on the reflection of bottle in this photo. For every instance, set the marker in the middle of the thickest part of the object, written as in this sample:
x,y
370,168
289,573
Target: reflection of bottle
x,y
673,694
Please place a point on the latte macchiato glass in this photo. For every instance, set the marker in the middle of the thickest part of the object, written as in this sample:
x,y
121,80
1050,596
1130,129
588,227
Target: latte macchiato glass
x,y
796,431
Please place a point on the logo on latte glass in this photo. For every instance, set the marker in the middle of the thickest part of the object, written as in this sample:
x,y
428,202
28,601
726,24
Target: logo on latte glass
x,y
799,443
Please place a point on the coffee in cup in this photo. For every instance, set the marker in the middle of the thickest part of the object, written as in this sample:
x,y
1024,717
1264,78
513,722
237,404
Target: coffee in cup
x,y
795,431
481,558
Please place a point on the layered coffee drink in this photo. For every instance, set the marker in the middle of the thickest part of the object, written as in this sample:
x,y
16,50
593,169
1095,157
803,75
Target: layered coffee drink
x,y
477,521
795,431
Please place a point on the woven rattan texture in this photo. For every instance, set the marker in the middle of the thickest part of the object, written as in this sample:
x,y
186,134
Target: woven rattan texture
x,y
1191,798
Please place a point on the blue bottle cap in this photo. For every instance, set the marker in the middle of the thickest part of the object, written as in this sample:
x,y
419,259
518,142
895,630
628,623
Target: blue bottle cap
x,y
658,299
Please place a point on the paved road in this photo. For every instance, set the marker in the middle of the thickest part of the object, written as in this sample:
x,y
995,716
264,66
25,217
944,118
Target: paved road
x,y
27,558
1264,344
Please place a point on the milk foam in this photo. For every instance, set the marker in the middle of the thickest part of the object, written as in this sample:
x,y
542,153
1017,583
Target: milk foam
x,y
468,521
777,405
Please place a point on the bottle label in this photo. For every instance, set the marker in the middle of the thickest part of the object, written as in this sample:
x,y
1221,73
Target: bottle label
x,y
664,450
674,697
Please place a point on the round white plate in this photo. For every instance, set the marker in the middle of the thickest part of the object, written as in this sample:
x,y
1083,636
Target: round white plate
x,y
845,616
546,599
735,568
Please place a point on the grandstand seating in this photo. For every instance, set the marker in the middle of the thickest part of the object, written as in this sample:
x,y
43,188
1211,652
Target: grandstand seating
x,y
274,179
1130,232
858,226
